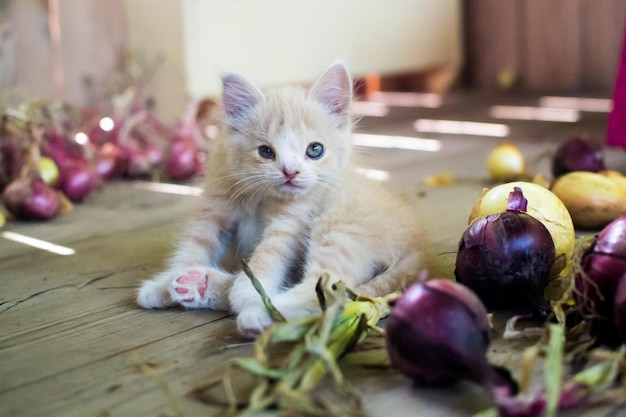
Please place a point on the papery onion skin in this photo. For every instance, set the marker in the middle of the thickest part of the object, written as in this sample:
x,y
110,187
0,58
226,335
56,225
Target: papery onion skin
x,y
506,259
31,199
438,333
578,154
602,268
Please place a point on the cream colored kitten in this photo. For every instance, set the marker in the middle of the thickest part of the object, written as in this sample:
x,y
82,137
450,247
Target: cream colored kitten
x,y
282,193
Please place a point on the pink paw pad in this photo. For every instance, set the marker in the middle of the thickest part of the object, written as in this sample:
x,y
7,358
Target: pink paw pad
x,y
193,278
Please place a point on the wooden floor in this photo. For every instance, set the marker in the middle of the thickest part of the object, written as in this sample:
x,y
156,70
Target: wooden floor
x,y
73,343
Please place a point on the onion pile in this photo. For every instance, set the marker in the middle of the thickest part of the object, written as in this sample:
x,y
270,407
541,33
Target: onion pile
x,y
76,152
600,283
507,258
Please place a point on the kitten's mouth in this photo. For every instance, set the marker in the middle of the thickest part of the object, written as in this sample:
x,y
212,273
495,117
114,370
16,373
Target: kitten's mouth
x,y
291,186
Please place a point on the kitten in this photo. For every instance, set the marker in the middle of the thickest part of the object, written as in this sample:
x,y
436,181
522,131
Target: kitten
x,y
282,193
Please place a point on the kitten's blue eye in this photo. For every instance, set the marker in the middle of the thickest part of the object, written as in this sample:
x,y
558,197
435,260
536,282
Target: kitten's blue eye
x,y
266,152
315,150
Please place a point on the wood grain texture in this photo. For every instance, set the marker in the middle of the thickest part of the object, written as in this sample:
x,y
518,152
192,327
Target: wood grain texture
x,y
74,343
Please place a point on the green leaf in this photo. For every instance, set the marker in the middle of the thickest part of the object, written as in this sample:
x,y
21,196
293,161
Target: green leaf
x,y
554,369
274,313
251,365
490,412
601,375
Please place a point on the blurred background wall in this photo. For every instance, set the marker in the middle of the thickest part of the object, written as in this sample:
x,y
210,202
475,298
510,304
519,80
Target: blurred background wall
x,y
77,49
61,48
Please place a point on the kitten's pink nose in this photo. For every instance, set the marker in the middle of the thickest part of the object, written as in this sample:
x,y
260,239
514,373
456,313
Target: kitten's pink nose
x,y
290,174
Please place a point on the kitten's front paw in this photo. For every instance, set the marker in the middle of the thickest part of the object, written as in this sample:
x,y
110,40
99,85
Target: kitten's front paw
x,y
252,321
200,287
189,289
153,294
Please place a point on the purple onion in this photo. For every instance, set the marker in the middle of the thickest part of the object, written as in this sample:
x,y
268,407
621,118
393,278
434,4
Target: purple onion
x,y
78,181
31,199
506,258
438,333
143,157
620,308
184,160
578,154
602,268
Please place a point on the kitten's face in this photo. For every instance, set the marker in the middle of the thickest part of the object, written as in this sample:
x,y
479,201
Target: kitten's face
x,y
289,143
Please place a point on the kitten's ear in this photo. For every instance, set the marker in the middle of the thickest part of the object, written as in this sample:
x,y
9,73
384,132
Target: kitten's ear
x,y
239,96
334,89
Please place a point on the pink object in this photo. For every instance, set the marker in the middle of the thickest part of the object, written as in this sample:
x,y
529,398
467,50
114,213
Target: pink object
x,y
183,280
193,278
616,133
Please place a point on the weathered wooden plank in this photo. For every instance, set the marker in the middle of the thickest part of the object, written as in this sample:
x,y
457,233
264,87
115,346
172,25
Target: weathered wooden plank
x,y
110,257
81,347
124,375
492,41
118,207
602,28
552,51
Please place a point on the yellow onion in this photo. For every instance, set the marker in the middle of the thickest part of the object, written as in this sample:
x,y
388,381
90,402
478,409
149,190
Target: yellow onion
x,y
543,205
593,199
48,170
505,162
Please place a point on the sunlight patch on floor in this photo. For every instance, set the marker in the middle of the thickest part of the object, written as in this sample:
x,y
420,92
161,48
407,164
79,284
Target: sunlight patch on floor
x,y
374,174
396,142
162,187
546,114
38,243
370,108
599,105
404,99
461,127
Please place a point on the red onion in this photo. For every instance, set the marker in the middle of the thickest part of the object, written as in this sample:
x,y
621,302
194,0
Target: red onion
x,y
506,258
77,178
78,181
184,160
438,333
110,161
31,198
620,308
601,268
143,157
578,154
